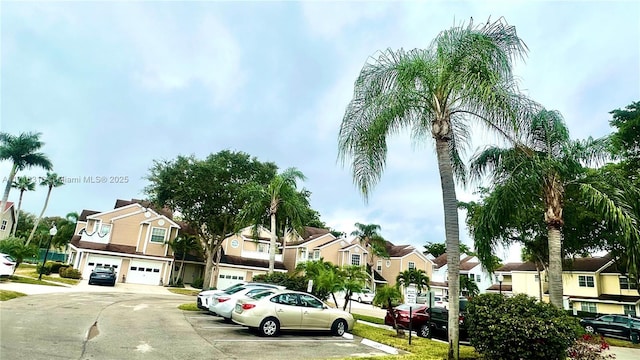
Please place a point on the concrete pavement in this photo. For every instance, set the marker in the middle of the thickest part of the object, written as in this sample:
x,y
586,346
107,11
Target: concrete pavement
x,y
84,287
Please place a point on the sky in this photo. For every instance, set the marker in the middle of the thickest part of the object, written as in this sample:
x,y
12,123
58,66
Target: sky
x,y
114,85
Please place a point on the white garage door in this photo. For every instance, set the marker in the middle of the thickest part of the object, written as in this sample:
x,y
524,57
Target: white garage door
x,y
96,260
230,277
144,272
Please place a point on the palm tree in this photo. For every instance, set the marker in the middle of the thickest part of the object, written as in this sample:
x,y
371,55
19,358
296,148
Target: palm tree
x,y
467,283
23,183
463,78
51,180
184,244
18,249
385,297
66,230
537,174
22,150
354,280
369,237
413,276
279,197
313,270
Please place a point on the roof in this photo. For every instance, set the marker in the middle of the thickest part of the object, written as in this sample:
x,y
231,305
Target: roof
x,y
496,287
509,267
589,264
310,233
439,284
85,213
466,263
608,297
440,260
376,275
145,203
398,250
123,249
238,260
8,205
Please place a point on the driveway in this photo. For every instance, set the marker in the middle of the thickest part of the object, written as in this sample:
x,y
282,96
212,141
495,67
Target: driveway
x,y
126,325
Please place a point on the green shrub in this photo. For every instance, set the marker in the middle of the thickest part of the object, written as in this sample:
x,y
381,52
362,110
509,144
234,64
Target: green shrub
x,y
291,282
54,266
70,273
63,269
197,283
519,327
46,269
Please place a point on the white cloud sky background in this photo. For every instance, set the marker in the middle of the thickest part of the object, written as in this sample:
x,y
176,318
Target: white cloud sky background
x,y
114,85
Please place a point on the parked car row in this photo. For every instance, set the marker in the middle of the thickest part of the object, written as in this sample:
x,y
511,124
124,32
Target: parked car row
x,y
621,326
426,321
270,308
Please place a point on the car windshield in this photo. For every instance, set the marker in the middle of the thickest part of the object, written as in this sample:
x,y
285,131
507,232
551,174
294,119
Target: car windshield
x,y
103,269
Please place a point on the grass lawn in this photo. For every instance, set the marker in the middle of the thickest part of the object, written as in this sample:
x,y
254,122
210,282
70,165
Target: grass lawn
x,y
189,307
181,291
28,270
622,343
370,319
29,280
8,295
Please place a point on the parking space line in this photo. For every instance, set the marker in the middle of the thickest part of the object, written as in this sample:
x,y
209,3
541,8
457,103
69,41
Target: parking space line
x,y
220,327
203,317
282,340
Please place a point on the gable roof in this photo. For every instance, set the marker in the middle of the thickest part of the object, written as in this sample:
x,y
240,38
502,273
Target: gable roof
x,y
440,260
509,267
586,264
466,264
398,250
7,206
144,203
85,213
310,233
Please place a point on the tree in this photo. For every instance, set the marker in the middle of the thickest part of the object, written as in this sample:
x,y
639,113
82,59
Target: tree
x,y
538,173
22,151
22,183
437,249
50,181
385,297
279,196
463,78
66,229
413,276
469,285
207,194
17,249
369,237
182,245
354,280
312,271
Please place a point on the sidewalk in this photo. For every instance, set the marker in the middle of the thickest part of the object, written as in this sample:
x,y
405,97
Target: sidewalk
x,y
83,286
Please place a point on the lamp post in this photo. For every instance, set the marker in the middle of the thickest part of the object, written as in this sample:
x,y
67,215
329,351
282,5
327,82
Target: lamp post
x,y
52,232
500,279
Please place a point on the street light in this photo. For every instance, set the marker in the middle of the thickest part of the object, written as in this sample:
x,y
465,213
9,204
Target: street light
x,y
500,279
53,231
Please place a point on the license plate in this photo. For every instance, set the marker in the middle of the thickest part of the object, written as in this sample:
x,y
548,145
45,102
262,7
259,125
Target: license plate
x,y
238,308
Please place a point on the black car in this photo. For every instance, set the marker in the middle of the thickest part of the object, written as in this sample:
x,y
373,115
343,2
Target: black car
x,y
438,322
105,275
620,326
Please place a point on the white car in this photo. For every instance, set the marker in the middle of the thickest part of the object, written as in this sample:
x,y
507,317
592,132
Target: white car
x,y
205,298
7,265
365,296
223,304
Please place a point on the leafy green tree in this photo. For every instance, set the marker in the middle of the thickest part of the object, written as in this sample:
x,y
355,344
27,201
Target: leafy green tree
x,y
385,297
437,249
22,183
51,181
182,245
354,281
413,276
280,196
312,271
66,229
23,152
207,194
17,249
467,284
538,173
464,77
370,238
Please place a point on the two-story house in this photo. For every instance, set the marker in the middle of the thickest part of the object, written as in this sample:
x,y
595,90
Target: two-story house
x,y
244,255
7,220
503,279
315,244
132,238
469,267
400,258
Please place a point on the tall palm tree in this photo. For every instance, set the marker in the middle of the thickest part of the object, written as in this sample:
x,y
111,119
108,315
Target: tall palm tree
x,y
463,78
354,281
537,174
22,151
370,238
51,180
22,183
279,197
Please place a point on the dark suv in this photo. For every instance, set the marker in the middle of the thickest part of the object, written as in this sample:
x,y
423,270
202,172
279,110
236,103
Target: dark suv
x,y
621,326
438,322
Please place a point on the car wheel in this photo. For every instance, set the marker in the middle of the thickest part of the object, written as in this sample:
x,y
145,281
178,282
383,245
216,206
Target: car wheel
x,y
339,327
90,283
359,299
269,327
589,329
425,331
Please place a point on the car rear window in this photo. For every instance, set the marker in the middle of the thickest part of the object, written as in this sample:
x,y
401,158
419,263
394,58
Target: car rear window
x,y
233,291
103,269
261,294
405,307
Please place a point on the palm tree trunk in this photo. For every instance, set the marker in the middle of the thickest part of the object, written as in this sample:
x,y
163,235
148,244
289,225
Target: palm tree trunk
x,y
35,226
15,225
555,266
450,205
7,188
272,244
184,255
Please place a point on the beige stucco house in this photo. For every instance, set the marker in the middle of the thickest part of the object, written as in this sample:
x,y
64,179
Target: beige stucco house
x,y
7,220
400,258
132,238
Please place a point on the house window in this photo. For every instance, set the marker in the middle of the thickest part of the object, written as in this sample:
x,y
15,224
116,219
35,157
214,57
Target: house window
x,y
630,310
355,259
316,254
412,265
477,278
626,283
157,235
585,281
303,253
379,265
263,248
537,278
588,307
105,229
3,227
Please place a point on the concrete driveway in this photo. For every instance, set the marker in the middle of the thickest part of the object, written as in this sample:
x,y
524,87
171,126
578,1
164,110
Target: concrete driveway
x,y
84,287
